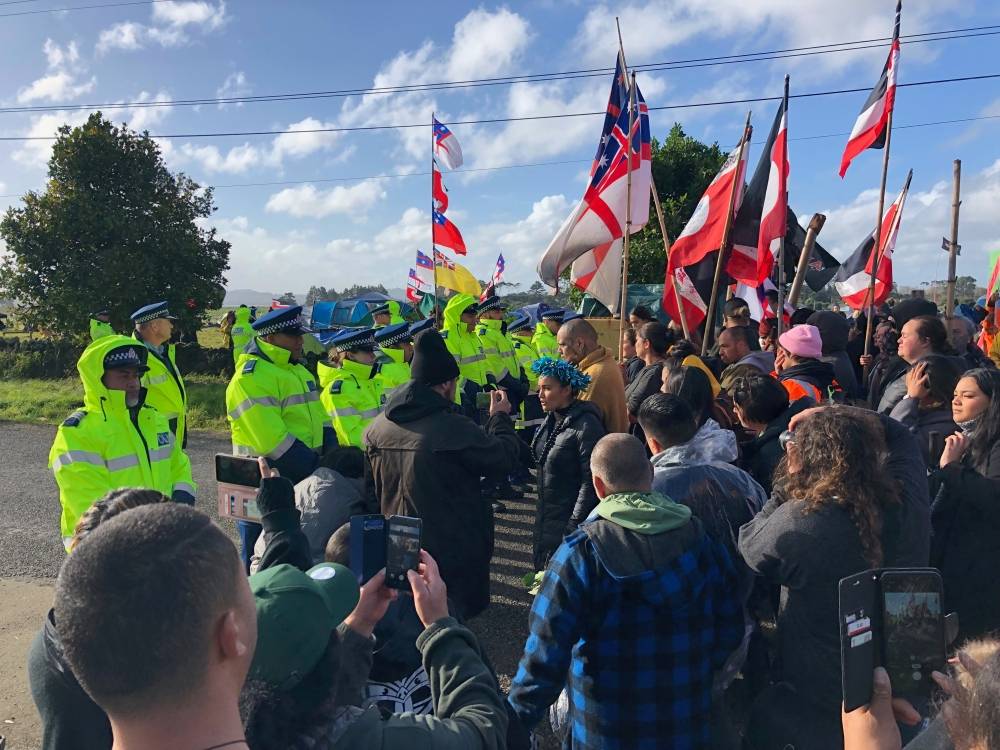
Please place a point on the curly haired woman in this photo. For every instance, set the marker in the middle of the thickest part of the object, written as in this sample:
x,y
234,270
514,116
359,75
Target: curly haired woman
x,y
561,450
844,501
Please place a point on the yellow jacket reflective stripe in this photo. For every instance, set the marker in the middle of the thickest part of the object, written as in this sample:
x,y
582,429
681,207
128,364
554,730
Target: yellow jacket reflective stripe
x,y
165,389
463,343
500,359
272,402
393,371
101,448
352,399
545,341
100,329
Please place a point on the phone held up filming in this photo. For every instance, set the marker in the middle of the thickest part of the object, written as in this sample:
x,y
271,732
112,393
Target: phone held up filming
x,y
392,543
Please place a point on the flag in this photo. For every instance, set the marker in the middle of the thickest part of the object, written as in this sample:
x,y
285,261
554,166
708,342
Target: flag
x,y
414,287
424,261
703,232
762,220
760,306
446,146
695,308
495,279
870,128
439,193
443,261
451,275
600,217
598,272
617,100
447,235
994,277
852,279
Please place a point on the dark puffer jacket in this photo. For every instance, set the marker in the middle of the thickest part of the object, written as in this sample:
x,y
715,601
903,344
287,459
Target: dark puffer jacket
x,y
561,449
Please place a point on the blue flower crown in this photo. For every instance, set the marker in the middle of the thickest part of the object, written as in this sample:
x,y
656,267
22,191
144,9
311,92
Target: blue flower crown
x,y
562,371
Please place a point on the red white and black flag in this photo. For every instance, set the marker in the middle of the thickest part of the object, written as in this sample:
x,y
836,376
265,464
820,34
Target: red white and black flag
x,y
872,124
854,276
762,219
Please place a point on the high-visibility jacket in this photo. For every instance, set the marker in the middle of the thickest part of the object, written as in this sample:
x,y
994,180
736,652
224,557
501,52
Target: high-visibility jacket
x,y
352,397
395,316
393,370
106,446
274,410
100,329
500,361
241,332
165,387
531,414
545,342
463,343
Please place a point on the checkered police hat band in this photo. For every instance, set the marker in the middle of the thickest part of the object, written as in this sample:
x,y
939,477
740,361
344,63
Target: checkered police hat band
x,y
122,358
280,326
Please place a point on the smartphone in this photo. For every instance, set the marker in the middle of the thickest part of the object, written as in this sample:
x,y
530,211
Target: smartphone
x,y
483,400
891,618
368,544
238,480
913,624
402,550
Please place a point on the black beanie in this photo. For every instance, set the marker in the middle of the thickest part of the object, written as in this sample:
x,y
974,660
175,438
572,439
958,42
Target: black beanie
x,y
908,309
432,363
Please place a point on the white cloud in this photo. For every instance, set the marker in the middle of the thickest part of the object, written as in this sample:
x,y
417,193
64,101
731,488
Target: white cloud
x,y
63,79
486,43
36,153
235,85
308,201
58,56
236,160
522,242
298,145
926,217
171,25
142,118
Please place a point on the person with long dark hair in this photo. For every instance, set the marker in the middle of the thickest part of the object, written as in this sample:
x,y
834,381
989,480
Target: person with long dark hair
x,y
652,343
711,442
966,510
920,337
926,407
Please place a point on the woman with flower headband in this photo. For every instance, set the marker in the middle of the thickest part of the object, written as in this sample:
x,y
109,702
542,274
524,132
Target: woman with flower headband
x,y
561,449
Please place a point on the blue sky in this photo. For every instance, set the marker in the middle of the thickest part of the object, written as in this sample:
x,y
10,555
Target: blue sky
x,y
288,237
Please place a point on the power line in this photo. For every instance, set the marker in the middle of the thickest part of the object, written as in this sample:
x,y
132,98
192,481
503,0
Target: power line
x,y
747,57
76,7
526,118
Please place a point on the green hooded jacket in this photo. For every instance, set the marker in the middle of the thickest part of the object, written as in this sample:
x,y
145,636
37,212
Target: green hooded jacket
x,y
644,512
462,343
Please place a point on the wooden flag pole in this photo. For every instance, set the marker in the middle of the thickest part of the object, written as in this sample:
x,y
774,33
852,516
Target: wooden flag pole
x,y
434,263
623,315
876,250
815,225
953,250
720,262
666,254
780,312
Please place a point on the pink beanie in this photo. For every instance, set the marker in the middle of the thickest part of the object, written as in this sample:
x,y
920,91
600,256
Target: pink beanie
x,y
803,341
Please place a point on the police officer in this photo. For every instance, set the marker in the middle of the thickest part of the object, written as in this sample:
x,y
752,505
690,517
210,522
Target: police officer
x,y
273,407
241,332
165,386
387,314
519,330
502,367
544,339
459,321
395,345
116,439
100,324
352,395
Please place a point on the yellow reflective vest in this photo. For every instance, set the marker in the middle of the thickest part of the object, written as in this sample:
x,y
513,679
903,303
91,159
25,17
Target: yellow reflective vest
x,y
106,446
241,332
100,329
462,343
352,398
531,411
500,360
545,341
393,370
273,403
165,387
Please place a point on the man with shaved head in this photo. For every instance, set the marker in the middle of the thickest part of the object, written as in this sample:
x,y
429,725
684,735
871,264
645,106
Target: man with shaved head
x,y
578,345
641,672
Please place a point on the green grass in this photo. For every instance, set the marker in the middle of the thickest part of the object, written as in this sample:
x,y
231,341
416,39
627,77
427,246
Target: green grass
x,y
51,401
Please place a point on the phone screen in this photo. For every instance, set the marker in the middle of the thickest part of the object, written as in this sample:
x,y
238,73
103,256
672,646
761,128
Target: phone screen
x,y
402,550
238,470
483,400
913,630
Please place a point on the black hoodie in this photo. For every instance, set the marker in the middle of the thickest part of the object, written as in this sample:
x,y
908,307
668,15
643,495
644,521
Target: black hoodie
x,y
427,461
812,371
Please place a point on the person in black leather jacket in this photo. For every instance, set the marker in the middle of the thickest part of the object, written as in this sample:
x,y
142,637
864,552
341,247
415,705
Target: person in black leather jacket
x,y
561,450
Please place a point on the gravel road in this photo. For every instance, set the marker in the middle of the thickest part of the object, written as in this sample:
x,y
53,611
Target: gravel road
x,y
30,547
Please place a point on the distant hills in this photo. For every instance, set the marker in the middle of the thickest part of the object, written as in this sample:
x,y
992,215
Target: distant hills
x,y
251,297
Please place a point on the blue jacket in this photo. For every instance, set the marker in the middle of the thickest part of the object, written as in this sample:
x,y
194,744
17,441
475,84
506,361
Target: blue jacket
x,y
638,624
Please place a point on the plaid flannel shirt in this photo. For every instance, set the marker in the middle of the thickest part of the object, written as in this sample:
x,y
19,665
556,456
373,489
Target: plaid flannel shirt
x,y
639,652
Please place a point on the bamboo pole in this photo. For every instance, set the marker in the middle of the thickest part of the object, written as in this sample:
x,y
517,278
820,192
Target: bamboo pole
x,y
724,245
666,254
815,225
953,249
877,255
434,263
623,315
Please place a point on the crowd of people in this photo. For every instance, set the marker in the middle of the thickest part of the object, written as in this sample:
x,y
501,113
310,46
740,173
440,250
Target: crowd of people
x,y
693,518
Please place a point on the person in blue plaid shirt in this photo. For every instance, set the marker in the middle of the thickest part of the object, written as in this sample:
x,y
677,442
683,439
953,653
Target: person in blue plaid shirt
x,y
637,609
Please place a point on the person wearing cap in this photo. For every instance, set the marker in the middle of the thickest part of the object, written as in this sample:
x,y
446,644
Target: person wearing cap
x,y
100,324
387,314
427,461
502,366
273,406
116,439
459,336
799,368
154,327
351,393
544,340
241,332
520,333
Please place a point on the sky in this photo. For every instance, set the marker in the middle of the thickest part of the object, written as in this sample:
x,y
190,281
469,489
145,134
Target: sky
x,y
353,207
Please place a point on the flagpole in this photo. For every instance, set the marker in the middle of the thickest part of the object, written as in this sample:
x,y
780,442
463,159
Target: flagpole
x,y
623,315
815,225
666,253
876,251
434,265
721,260
780,312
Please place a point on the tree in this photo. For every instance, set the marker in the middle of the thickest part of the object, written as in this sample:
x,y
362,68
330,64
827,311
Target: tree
x,y
359,289
288,298
113,228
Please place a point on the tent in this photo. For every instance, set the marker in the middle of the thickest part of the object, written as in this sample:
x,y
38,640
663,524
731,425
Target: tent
x,y
638,294
350,313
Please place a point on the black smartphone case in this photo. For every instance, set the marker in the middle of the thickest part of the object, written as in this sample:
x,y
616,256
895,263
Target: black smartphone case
x,y
860,636
368,540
